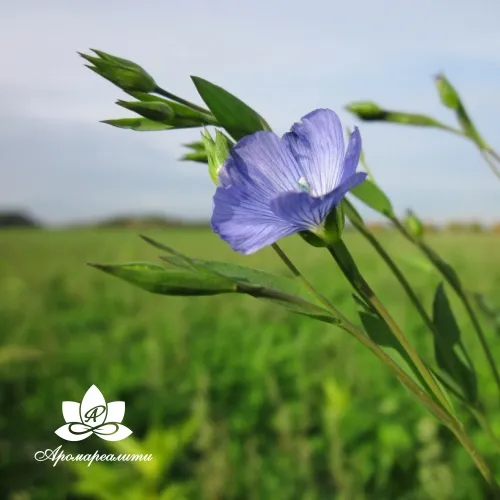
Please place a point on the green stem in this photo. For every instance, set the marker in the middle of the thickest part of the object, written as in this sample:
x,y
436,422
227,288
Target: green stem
x,y
346,263
492,165
453,130
493,153
436,409
288,263
431,255
394,268
408,290
443,415
180,100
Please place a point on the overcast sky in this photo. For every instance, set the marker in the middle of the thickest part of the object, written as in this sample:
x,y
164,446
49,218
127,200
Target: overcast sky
x,y
283,57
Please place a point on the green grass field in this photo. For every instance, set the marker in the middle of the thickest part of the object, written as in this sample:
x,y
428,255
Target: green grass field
x,y
235,398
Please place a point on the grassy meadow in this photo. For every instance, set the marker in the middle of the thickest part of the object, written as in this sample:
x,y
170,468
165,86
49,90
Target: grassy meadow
x,y
235,398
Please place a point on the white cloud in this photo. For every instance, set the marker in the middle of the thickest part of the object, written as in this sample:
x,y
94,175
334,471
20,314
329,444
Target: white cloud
x,y
283,57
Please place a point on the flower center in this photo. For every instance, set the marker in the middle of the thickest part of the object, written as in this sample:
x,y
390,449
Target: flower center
x,y
304,185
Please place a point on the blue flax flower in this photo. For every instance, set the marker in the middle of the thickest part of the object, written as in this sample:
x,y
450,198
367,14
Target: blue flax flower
x,y
270,188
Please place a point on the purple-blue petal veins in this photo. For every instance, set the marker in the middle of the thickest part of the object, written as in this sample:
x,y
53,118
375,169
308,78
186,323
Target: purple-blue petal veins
x,y
271,187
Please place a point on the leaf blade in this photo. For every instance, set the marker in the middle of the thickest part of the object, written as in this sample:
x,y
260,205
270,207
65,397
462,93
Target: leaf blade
x,y
232,113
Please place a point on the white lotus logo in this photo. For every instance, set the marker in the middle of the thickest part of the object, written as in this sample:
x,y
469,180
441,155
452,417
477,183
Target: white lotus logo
x,y
93,416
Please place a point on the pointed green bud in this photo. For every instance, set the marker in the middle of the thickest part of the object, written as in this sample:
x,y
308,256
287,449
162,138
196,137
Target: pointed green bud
x,y
447,93
125,74
450,98
155,110
369,111
414,225
366,110
217,152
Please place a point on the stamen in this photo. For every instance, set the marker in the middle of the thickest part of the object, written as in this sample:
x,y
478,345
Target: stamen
x,y
304,185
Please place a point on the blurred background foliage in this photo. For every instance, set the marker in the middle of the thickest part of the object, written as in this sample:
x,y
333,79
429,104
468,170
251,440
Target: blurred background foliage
x,y
236,399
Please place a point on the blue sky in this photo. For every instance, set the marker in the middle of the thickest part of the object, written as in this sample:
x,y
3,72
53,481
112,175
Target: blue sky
x,y
284,58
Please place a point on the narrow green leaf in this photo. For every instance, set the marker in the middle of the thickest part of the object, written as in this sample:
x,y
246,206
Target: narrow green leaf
x,y
232,113
156,279
280,290
370,194
380,333
445,268
249,276
138,124
160,246
446,339
443,316
352,214
197,146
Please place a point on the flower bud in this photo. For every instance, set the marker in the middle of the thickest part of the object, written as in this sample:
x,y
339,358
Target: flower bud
x,y
414,225
217,152
447,93
123,73
154,110
367,110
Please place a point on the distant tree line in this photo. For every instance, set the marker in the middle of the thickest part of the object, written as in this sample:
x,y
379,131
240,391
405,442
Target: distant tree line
x,y
19,219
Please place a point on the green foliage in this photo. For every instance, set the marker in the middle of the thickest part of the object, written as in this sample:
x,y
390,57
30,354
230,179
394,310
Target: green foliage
x,y
259,284
140,479
234,397
370,194
156,279
447,340
232,113
380,333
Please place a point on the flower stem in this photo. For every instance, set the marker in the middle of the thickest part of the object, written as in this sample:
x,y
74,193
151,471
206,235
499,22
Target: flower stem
x,y
394,268
491,164
434,258
443,415
473,408
436,409
346,263
288,263
406,287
